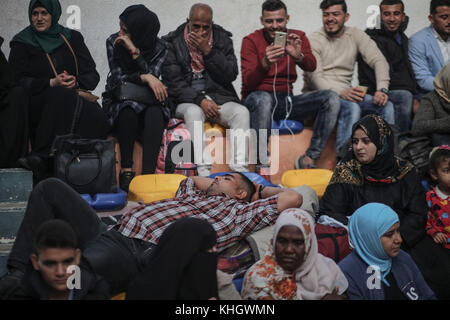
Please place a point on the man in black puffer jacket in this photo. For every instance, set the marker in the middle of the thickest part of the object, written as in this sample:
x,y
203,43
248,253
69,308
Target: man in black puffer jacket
x,y
199,71
393,43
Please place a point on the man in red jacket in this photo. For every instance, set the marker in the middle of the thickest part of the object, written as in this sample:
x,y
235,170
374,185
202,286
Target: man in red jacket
x,y
268,74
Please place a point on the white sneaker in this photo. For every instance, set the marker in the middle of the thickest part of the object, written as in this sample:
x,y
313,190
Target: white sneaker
x,y
204,170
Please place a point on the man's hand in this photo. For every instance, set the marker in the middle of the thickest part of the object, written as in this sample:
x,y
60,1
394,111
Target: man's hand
x,y
199,42
273,54
159,89
440,238
294,46
352,94
380,98
210,108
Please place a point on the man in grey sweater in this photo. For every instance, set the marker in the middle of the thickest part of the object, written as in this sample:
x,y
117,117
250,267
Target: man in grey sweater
x,y
336,48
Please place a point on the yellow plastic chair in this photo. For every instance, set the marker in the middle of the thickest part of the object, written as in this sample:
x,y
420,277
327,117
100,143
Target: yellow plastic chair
x,y
316,179
154,187
119,296
214,129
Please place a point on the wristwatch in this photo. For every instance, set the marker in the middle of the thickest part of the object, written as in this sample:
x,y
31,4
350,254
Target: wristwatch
x,y
384,90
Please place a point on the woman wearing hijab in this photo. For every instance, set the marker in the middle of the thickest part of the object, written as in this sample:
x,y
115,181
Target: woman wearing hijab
x,y
433,116
378,269
53,98
370,172
182,266
136,54
292,268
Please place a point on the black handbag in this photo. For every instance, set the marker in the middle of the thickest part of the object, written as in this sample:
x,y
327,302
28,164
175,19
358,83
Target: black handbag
x,y
131,91
87,165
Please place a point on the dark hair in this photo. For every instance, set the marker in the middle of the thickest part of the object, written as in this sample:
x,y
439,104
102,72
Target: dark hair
x,y
54,234
438,157
438,3
391,3
247,184
325,4
273,5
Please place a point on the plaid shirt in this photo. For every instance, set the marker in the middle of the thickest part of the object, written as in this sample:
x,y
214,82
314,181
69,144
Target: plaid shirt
x,y
153,65
232,219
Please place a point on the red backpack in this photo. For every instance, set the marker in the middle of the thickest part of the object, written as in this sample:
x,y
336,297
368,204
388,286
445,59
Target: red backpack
x,y
332,242
176,133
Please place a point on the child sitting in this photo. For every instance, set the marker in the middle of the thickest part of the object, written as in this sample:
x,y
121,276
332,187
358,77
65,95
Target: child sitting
x,y
438,199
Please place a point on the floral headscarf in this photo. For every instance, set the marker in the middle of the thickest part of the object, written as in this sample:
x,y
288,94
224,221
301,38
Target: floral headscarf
x,y
316,276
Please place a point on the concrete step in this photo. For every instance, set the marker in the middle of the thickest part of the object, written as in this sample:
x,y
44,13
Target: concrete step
x,y
15,184
5,249
11,215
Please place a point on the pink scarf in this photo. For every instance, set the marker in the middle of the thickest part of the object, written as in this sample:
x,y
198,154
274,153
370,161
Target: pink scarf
x,y
197,63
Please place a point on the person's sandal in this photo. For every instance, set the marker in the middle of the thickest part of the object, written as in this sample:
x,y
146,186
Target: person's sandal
x,y
300,165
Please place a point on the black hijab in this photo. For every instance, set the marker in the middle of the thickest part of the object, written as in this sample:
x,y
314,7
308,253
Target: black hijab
x,y
180,266
384,168
143,26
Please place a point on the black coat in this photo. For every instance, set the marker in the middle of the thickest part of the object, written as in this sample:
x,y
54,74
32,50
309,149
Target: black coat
x,y
400,70
32,69
221,69
13,118
92,287
406,197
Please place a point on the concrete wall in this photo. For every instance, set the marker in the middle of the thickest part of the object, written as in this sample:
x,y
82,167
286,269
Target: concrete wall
x,y
97,19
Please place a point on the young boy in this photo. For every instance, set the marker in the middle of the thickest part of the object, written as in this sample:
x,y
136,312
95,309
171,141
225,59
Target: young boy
x,y
438,199
54,273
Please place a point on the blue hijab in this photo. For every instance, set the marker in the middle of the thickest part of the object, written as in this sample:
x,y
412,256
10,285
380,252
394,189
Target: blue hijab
x,y
366,226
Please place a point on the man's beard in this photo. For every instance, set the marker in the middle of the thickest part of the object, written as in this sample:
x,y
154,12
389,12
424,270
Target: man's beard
x,y
333,33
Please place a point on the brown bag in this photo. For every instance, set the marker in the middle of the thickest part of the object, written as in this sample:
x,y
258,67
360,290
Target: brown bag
x,y
86,94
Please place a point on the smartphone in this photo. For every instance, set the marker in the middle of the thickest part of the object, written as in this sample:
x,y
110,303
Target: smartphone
x,y
280,38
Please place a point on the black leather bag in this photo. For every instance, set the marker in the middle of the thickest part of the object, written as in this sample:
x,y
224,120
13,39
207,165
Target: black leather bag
x,y
130,91
87,165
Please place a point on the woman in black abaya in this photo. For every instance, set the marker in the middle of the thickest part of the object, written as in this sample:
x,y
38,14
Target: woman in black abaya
x,y
53,98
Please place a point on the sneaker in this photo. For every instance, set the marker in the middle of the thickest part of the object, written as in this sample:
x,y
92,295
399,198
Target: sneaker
x,y
10,282
125,178
204,170
300,165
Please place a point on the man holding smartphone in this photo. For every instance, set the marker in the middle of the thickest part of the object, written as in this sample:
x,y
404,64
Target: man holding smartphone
x,y
268,74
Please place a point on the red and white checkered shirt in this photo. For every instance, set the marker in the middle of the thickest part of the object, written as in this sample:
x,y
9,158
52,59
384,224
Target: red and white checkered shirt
x,y
232,219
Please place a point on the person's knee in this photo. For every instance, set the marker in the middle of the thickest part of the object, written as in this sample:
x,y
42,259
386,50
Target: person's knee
x,y
241,117
259,101
49,185
193,113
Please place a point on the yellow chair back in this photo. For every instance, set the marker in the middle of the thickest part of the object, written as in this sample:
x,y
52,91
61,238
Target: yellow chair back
x,y
316,179
154,187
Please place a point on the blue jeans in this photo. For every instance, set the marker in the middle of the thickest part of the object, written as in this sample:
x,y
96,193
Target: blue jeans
x,y
351,112
324,104
403,104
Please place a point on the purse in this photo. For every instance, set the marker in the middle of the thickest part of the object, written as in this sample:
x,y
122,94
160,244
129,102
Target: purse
x,y
87,165
131,91
86,94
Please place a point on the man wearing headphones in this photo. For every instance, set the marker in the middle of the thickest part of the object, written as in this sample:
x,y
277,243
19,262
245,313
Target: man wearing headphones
x,y
268,74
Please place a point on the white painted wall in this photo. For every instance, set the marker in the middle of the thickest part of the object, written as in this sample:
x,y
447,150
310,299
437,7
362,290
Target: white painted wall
x,y
97,19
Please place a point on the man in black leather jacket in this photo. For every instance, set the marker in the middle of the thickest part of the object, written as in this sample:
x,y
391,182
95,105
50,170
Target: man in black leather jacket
x,y
199,71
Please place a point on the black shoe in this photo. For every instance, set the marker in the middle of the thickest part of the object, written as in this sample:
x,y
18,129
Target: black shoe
x,y
33,163
10,282
125,178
